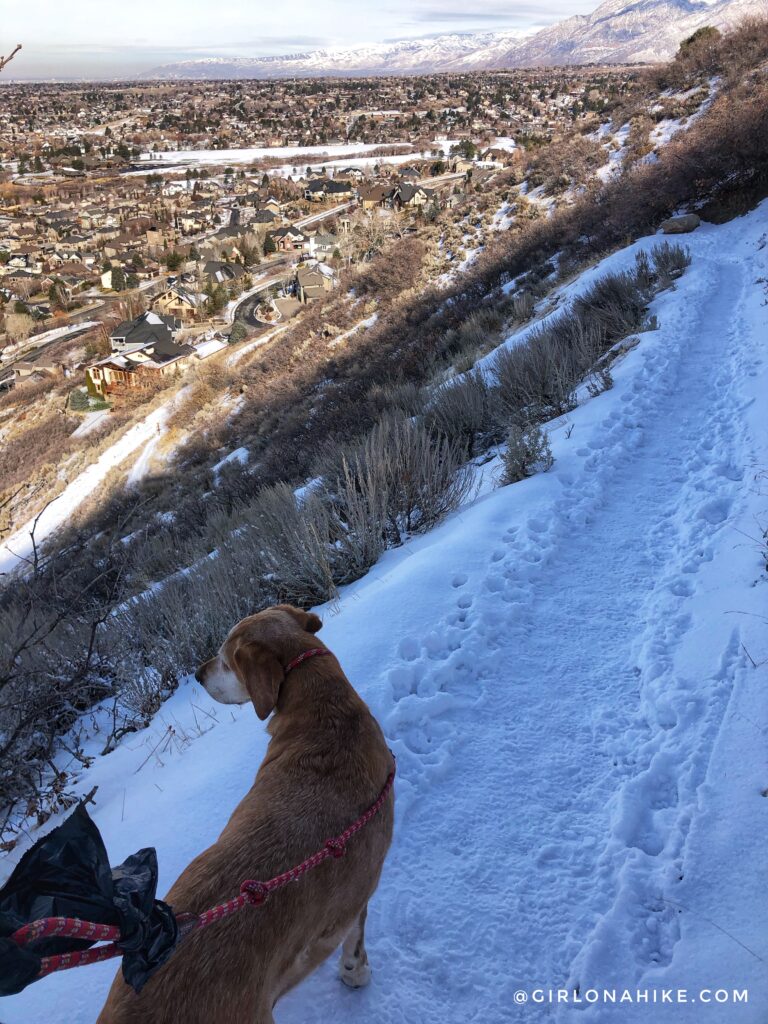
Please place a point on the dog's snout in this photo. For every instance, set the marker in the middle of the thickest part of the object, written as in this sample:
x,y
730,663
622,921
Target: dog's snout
x,y
200,673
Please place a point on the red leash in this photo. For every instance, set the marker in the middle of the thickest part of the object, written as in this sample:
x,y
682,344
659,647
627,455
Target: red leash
x,y
251,892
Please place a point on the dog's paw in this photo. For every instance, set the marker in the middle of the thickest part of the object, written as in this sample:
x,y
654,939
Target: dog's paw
x,y
355,974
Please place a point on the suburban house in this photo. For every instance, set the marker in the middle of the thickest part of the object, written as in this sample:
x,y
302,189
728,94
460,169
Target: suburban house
x,y
180,302
371,196
266,216
289,239
221,272
106,277
324,246
353,174
460,165
147,329
312,282
328,188
413,196
339,189
315,190
26,371
138,367
501,156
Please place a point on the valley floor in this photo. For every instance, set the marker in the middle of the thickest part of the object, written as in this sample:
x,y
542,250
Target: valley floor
x,y
572,672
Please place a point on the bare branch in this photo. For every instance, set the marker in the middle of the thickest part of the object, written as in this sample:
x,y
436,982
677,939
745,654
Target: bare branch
x,y
9,58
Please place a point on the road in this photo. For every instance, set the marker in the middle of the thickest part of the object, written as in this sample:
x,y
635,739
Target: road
x,y
33,354
245,310
315,217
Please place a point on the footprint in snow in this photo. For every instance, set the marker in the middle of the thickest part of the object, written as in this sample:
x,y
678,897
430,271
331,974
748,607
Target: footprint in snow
x,y
716,511
409,648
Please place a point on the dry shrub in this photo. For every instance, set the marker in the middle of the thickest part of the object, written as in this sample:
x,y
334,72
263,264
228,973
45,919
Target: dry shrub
x,y
616,303
420,476
523,305
466,412
48,441
293,542
669,261
406,398
528,451
537,379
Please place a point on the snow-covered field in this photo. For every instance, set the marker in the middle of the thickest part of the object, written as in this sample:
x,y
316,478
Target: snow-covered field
x,y
298,159
245,156
572,673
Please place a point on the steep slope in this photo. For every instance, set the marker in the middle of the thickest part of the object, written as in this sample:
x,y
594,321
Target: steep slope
x,y
616,32
571,672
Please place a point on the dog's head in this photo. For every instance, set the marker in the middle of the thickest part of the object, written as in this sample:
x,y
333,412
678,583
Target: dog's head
x,y
251,662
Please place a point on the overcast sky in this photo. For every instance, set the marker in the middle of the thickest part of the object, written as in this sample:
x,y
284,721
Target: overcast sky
x,y
114,38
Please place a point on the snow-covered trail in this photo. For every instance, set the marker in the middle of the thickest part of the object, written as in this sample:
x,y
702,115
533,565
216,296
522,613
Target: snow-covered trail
x,y
560,672
588,695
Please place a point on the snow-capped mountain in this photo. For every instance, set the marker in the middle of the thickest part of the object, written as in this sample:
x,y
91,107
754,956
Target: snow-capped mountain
x,y
621,32
402,57
618,31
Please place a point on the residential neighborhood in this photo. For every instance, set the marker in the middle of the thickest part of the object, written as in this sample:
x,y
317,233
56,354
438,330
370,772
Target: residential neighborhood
x,y
95,210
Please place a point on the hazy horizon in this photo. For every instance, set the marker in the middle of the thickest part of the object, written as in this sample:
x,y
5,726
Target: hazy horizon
x,y
105,43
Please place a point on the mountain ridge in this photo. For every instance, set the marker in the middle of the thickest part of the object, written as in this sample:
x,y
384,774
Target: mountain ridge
x,y
616,32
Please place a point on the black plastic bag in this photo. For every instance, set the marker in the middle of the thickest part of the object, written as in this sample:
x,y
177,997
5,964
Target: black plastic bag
x,y
67,874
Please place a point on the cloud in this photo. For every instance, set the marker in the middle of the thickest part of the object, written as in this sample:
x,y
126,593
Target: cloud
x,y
532,13
461,16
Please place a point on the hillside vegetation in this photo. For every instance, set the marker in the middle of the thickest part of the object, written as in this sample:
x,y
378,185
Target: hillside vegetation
x,y
376,418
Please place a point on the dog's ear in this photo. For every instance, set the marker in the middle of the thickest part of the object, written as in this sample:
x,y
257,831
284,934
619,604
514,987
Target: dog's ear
x,y
314,622
261,674
307,620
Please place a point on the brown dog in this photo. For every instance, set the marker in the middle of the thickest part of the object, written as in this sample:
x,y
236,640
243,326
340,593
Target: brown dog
x,y
326,763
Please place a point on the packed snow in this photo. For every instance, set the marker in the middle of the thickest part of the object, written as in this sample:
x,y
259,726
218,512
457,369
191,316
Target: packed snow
x,y
572,673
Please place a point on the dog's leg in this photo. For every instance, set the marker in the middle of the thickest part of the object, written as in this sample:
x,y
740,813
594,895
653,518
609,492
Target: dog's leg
x,y
353,966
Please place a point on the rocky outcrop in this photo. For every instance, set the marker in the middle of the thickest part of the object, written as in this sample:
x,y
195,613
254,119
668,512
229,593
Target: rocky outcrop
x,y
681,225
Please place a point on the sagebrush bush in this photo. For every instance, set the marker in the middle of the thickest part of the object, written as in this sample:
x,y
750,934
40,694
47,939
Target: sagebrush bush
x,y
405,398
293,539
466,411
669,261
535,380
523,305
616,302
415,476
528,451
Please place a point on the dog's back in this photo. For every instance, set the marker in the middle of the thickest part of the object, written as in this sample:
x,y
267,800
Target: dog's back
x,y
326,763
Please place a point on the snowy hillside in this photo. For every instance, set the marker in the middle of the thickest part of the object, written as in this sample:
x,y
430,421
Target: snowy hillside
x,y
618,32
572,673
615,32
